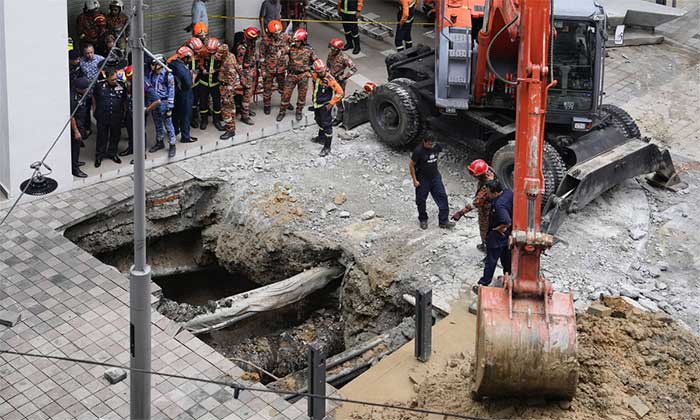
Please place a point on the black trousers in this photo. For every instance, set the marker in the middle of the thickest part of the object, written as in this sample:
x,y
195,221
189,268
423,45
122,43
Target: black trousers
x,y
324,119
352,31
74,152
502,253
204,92
403,39
109,131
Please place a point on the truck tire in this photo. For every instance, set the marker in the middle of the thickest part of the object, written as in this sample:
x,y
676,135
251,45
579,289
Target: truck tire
x,y
622,121
394,116
403,81
553,168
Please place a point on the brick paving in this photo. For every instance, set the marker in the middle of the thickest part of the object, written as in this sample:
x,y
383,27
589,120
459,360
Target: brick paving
x,y
73,305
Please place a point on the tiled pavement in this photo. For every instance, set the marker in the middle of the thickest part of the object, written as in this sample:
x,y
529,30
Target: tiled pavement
x,y
73,305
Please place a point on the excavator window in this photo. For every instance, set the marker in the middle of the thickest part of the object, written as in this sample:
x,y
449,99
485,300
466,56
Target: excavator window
x,y
574,66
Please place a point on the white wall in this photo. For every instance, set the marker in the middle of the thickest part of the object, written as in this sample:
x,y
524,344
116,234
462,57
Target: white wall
x,y
247,8
34,102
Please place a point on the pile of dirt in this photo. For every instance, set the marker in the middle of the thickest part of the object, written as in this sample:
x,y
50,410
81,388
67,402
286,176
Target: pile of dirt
x,y
632,365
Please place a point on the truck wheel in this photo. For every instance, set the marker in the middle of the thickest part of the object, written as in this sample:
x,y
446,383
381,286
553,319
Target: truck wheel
x,y
553,168
622,121
403,81
394,116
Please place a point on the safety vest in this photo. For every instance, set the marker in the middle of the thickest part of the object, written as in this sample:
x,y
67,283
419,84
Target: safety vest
x,y
323,92
193,68
350,6
411,10
212,74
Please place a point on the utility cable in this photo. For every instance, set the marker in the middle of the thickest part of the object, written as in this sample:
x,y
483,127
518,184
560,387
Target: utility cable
x,y
237,388
37,165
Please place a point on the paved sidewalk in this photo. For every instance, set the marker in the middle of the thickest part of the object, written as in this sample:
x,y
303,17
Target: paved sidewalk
x,y
73,305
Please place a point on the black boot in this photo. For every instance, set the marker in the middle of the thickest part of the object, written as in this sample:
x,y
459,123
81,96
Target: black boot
x,y
348,46
247,120
78,173
171,151
126,152
218,124
267,109
227,135
318,139
326,147
299,115
204,122
251,113
280,116
156,147
356,49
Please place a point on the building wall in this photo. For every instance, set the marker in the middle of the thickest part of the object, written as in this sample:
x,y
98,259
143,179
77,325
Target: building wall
x,y
34,91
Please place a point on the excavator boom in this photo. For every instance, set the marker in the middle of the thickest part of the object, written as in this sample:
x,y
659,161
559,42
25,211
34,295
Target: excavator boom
x,y
526,332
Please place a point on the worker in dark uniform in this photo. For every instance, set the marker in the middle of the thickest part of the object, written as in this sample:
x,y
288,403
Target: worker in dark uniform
x,y
109,105
426,177
200,52
79,86
209,86
483,173
75,71
500,227
349,11
326,94
406,14
184,96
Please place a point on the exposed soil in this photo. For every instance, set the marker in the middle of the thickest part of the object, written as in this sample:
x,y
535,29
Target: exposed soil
x,y
628,356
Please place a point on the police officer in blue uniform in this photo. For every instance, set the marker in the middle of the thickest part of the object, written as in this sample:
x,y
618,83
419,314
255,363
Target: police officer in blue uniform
x,y
109,103
163,84
79,88
184,94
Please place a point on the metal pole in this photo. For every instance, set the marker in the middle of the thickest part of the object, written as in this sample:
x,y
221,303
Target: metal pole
x,y
140,279
316,407
424,323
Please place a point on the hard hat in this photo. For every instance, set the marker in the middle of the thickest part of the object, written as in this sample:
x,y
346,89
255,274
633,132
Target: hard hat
x,y
251,32
200,29
100,20
336,43
128,72
118,3
369,87
275,26
157,58
319,66
92,4
195,44
213,44
478,167
184,52
300,35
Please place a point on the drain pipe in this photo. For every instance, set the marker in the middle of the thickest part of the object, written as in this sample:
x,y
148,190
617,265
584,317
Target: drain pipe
x,y
140,274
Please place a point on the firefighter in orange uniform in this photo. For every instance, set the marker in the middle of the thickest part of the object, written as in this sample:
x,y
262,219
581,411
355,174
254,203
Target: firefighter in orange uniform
x,y
326,94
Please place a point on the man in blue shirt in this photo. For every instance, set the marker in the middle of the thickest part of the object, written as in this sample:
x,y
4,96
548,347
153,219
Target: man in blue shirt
x,y
500,227
90,63
163,84
199,12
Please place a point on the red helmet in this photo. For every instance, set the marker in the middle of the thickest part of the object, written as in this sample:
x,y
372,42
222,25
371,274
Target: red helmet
x,y
319,66
300,35
251,33
100,20
128,72
369,87
213,45
184,52
337,43
478,167
275,26
195,44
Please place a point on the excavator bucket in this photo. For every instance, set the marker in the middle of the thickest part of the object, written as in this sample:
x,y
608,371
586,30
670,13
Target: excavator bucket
x,y
526,346
606,158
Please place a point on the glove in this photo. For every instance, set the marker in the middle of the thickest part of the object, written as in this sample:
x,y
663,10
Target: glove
x,y
311,108
457,215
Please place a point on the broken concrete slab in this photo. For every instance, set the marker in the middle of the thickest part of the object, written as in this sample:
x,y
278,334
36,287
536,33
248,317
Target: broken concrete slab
x,y
9,318
598,309
115,375
636,37
638,406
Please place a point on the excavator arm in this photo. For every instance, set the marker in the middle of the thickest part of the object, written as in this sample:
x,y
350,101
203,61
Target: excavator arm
x,y
526,332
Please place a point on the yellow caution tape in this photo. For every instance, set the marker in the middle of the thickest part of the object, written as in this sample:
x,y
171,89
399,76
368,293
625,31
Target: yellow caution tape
x,y
359,22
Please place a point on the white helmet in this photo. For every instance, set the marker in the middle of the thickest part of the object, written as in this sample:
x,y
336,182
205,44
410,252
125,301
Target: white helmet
x,y
118,3
92,4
